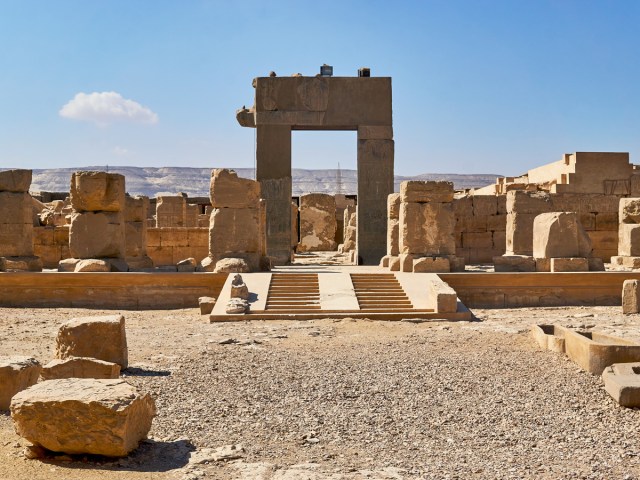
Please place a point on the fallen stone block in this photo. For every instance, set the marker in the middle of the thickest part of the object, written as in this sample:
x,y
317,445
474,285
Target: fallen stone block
x,y
97,235
102,337
68,264
569,265
92,265
237,305
17,180
559,234
622,382
16,374
79,367
514,263
20,264
431,265
548,337
227,190
630,297
206,305
231,265
187,265
83,416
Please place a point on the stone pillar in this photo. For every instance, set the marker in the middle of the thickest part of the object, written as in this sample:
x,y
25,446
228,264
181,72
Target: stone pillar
x,y
317,223
273,153
191,215
135,217
294,225
235,230
426,228
16,222
375,183
97,223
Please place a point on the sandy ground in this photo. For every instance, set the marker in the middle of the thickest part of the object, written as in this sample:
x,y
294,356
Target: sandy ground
x,y
329,399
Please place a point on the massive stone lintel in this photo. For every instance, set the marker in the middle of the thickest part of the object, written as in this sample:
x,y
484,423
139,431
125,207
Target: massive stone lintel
x,y
283,104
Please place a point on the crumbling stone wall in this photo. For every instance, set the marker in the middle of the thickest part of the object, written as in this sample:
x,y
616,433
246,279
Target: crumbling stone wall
x,y
171,211
168,246
135,214
51,244
317,223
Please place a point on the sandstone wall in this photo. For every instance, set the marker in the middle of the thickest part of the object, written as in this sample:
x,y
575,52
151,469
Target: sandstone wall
x,y
167,246
51,244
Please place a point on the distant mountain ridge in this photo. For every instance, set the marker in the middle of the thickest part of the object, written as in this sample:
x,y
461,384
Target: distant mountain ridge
x,y
153,181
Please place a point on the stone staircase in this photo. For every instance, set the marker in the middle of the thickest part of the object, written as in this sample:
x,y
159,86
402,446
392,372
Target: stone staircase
x,y
293,293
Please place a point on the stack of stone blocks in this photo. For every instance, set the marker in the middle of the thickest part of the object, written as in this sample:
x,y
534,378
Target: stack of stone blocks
x,y
425,231
171,211
593,221
480,232
16,222
235,226
98,224
628,234
317,223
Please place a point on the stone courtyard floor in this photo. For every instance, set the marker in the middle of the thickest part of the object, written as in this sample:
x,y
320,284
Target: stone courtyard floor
x,y
346,400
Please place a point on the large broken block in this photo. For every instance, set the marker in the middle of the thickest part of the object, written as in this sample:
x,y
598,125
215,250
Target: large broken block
x,y
16,374
579,264
622,382
97,235
97,191
442,298
317,223
431,265
16,180
234,230
102,337
15,208
630,297
418,191
559,234
83,416
227,190
79,367
427,229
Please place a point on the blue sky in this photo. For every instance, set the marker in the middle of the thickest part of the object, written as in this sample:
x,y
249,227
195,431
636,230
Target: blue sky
x,y
478,86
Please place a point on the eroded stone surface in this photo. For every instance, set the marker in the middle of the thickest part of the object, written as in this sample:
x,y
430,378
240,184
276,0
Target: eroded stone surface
x,y
77,416
16,374
79,367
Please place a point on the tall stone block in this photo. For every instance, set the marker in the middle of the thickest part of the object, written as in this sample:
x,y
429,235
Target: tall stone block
x,y
97,191
375,183
171,211
97,235
559,234
427,229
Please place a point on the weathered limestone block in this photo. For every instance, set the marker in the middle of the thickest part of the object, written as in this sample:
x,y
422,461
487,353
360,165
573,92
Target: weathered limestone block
x,y
417,191
79,367
234,230
171,211
227,190
237,305
622,382
97,191
427,229
16,225
431,265
406,262
239,289
485,205
631,297
206,305
191,215
231,265
20,264
294,224
135,234
16,374
629,210
136,208
349,244
393,206
83,416
442,298
519,235
514,263
102,337
15,208
384,262
92,265
629,240
519,201
16,180
393,236
97,235
559,234
394,263
569,265
317,223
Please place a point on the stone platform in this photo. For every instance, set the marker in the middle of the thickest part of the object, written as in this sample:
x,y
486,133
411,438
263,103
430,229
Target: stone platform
x,y
314,292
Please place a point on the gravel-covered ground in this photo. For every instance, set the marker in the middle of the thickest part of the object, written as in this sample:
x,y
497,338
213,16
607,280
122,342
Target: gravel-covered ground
x,y
350,399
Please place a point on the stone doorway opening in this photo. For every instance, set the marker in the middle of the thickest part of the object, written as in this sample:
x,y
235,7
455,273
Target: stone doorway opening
x,y
324,168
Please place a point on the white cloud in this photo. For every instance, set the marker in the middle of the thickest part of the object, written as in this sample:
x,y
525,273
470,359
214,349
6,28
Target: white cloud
x,y
103,108
120,151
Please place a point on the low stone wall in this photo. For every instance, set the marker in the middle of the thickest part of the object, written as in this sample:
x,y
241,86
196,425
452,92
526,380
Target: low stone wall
x,y
121,291
169,245
51,244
